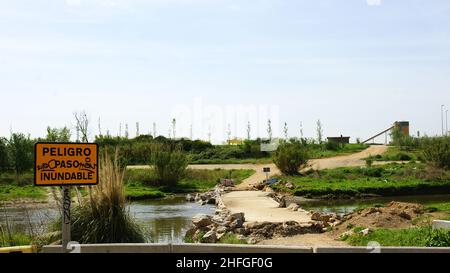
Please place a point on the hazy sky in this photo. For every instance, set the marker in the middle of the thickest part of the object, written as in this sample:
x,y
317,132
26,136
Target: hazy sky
x,y
357,65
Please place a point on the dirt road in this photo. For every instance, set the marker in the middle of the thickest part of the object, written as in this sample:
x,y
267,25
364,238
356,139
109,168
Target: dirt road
x,y
260,208
352,160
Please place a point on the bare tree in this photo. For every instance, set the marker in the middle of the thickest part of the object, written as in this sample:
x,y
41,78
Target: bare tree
x,y
99,127
269,129
319,131
286,131
229,133
82,126
127,134
174,128
301,129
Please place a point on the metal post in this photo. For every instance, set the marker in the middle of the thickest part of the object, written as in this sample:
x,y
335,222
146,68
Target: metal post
x,y
66,218
442,118
446,122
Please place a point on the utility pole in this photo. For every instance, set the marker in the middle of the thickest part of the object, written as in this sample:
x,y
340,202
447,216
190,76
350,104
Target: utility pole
x,y
446,122
442,118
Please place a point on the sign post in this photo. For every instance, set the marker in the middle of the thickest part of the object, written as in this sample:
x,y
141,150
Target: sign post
x,y
66,218
65,165
267,171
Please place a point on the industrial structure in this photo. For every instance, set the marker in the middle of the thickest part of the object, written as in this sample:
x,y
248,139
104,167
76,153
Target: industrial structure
x,y
402,126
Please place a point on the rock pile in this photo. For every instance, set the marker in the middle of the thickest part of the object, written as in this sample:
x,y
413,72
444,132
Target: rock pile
x,y
208,197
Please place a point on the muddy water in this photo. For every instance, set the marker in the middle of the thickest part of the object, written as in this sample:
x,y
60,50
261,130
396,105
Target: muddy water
x,y
165,220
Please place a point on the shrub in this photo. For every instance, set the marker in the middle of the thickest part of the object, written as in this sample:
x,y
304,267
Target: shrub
x,y
369,162
403,157
170,163
438,238
436,151
290,157
104,218
332,146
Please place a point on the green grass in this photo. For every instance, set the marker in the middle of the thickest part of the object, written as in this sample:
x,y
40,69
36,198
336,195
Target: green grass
x,y
394,153
231,239
389,180
413,237
16,239
320,152
439,206
265,160
21,187
11,192
141,184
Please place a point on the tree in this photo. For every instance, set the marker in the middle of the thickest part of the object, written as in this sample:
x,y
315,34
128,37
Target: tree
x,y
21,151
286,131
301,129
154,130
290,157
58,134
127,134
4,157
82,126
174,128
319,131
269,129
229,132
170,163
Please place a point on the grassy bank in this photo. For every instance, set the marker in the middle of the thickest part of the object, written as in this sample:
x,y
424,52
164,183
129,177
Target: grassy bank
x,y
319,151
12,187
141,183
388,180
413,237
394,153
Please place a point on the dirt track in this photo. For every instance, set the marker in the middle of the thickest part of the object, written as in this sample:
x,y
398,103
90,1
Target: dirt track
x,y
259,208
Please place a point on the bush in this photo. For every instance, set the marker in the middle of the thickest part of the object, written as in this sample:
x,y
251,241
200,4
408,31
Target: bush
x,y
369,162
290,157
170,163
332,146
436,150
403,157
104,218
438,238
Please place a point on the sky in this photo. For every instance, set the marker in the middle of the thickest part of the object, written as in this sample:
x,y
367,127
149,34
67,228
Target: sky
x,y
215,65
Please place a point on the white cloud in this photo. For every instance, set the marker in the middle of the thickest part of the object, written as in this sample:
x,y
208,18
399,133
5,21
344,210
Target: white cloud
x,y
373,2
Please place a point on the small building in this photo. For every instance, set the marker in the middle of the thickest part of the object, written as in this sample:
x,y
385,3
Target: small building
x,y
235,142
341,139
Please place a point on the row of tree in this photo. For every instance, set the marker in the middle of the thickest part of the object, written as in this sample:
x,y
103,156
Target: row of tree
x,y
17,152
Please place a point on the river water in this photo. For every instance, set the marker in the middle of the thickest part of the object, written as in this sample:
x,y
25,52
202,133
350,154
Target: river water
x,y
165,221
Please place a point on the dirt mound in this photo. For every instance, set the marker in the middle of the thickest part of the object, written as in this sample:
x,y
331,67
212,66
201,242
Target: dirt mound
x,y
394,215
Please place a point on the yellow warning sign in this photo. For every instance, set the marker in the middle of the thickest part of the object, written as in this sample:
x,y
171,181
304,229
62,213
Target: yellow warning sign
x,y
65,164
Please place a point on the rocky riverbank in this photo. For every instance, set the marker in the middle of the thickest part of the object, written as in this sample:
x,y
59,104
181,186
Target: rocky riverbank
x,y
211,229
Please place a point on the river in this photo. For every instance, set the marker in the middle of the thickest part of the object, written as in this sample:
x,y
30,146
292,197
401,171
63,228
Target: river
x,y
165,221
